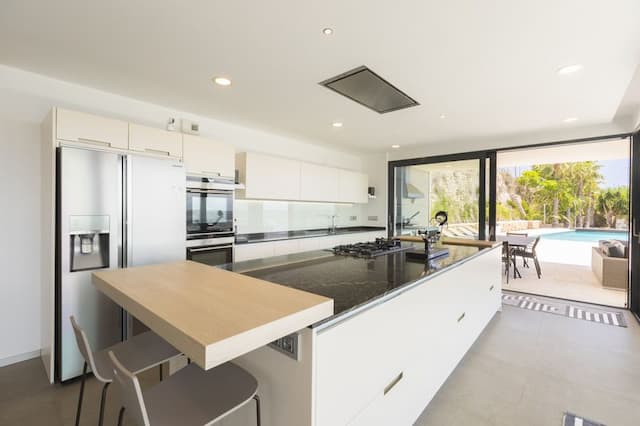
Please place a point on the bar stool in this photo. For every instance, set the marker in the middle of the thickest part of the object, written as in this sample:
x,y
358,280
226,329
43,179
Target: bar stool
x,y
139,353
191,396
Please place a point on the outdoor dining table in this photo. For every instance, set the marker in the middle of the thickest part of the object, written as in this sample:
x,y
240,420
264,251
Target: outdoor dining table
x,y
519,241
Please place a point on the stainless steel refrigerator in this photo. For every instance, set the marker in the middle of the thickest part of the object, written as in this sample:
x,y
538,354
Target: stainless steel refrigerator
x,y
113,211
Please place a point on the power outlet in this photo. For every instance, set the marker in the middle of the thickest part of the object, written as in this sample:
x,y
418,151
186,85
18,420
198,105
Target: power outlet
x,y
288,345
190,127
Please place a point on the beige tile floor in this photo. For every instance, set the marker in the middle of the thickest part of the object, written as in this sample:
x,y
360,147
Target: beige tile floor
x,y
525,369
566,281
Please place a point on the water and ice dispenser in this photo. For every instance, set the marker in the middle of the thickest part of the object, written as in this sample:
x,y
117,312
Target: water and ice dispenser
x,y
89,242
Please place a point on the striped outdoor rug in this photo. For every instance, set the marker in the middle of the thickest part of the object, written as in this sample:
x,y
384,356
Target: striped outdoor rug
x,y
527,302
573,420
572,311
611,318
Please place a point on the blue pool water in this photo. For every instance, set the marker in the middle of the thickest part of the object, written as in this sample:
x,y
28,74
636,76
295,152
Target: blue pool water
x,y
587,235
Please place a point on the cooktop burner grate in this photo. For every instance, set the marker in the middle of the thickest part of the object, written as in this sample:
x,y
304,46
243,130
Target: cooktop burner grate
x,y
379,247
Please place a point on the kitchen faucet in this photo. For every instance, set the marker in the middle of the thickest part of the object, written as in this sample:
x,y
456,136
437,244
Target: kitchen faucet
x,y
332,229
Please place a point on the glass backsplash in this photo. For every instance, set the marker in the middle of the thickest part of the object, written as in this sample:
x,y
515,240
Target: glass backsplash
x,y
253,216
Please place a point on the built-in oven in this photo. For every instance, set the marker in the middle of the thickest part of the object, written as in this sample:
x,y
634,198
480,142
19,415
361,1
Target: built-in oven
x,y
210,227
214,251
209,208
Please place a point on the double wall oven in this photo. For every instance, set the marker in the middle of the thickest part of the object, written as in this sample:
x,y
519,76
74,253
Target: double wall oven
x,y
210,227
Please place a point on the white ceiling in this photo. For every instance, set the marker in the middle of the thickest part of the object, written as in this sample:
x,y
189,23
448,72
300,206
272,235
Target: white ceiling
x,y
488,65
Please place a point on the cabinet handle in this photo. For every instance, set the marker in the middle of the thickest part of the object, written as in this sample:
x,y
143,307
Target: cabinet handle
x,y
197,250
462,316
157,151
491,288
208,172
94,142
393,383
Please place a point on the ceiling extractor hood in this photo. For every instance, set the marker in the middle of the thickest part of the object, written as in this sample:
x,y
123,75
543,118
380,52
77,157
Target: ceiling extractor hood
x,y
367,88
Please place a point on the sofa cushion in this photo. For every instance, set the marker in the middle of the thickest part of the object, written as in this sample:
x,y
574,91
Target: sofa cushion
x,y
603,244
616,249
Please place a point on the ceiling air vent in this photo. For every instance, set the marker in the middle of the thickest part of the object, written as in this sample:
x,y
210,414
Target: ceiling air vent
x,y
367,88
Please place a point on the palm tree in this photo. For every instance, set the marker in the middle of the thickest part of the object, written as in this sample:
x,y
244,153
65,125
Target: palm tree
x,y
612,203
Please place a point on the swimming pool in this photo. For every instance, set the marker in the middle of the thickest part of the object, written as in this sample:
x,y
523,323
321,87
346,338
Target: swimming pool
x,y
590,236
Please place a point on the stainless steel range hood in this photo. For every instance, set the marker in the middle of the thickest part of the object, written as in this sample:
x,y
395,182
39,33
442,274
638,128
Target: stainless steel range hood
x,y
367,88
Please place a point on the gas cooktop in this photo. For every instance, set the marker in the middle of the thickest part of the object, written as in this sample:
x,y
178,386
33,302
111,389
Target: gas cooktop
x,y
379,247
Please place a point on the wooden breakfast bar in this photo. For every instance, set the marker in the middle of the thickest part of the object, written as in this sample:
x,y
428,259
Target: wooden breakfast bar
x,y
210,314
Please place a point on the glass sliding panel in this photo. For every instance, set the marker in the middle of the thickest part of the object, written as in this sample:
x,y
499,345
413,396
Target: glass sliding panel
x,y
635,227
424,189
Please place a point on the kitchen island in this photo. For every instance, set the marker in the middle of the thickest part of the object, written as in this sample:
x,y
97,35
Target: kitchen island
x,y
399,329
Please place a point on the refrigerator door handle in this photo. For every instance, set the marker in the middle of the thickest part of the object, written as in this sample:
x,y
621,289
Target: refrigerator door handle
x,y
128,213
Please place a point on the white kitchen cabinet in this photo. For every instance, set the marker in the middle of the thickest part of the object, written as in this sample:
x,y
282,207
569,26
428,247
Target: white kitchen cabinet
x,y
433,327
361,237
285,247
155,141
244,252
273,178
319,183
352,187
206,157
310,244
91,129
268,178
276,248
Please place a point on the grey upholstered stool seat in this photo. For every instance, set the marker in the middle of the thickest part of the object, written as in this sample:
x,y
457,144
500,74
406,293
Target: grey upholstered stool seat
x,y
139,353
191,396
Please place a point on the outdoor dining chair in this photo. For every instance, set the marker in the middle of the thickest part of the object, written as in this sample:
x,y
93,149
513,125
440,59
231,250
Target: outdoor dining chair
x,y
529,252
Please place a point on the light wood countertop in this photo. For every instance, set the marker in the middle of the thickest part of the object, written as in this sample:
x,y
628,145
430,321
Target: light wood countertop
x,y
210,314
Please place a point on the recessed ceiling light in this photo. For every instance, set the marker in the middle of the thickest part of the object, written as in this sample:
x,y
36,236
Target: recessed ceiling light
x,y
327,31
395,146
222,81
337,124
442,116
570,119
569,69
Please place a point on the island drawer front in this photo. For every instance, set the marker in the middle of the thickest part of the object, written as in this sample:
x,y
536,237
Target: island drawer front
x,y
360,356
424,333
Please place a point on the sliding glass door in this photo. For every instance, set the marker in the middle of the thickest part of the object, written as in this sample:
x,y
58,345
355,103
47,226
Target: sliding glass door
x,y
634,243
456,184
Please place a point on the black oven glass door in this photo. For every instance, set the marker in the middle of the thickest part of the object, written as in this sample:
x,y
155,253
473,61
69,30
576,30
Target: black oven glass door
x,y
209,211
211,255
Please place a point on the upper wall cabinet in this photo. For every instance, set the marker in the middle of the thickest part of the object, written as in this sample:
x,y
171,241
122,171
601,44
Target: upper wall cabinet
x,y
273,178
353,187
268,178
318,183
155,141
206,157
91,129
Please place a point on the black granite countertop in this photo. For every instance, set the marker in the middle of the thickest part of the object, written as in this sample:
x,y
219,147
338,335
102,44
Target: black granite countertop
x,y
353,283
260,237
